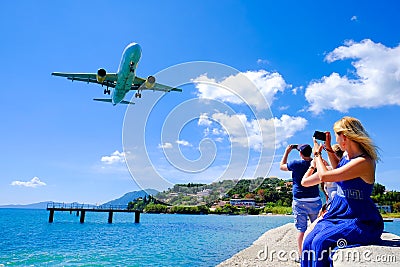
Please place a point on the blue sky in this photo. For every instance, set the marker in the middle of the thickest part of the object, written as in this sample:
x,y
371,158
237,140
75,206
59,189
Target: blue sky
x,y
312,63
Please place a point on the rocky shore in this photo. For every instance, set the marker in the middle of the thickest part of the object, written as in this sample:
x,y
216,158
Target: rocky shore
x,y
277,247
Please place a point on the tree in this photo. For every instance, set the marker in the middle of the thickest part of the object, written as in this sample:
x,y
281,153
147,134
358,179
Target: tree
x,y
378,189
396,207
249,195
261,193
156,208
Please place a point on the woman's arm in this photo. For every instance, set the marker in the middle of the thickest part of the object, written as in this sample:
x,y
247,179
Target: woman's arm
x,y
311,177
310,180
359,167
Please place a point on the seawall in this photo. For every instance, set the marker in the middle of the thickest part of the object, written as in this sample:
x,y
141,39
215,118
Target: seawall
x,y
277,247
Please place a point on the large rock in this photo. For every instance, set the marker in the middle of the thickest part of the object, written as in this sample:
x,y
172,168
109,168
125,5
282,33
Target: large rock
x,y
278,248
387,253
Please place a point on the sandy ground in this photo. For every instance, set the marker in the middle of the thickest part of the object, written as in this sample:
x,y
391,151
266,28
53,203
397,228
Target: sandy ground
x,y
278,248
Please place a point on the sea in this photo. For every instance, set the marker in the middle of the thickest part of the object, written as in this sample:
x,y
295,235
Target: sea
x,y
28,239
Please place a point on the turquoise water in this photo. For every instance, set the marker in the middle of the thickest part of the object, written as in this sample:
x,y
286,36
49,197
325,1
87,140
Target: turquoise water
x,y
27,239
393,227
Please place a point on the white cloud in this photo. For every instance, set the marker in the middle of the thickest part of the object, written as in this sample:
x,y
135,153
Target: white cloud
x,y
216,131
116,157
377,81
204,120
219,139
296,89
206,131
34,182
165,145
282,108
259,133
286,127
183,143
254,88
262,61
354,18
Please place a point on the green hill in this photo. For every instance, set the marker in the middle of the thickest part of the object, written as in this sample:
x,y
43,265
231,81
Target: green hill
x,y
269,189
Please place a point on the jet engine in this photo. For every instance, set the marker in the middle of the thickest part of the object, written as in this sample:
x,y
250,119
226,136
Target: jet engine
x,y
101,75
150,82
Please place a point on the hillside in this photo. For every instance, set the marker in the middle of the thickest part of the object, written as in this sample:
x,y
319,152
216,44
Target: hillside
x,y
128,197
270,189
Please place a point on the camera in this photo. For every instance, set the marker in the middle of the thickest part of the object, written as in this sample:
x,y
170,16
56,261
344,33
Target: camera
x,y
294,146
319,135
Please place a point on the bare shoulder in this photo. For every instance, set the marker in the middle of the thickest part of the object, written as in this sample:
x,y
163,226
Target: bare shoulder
x,y
363,167
366,167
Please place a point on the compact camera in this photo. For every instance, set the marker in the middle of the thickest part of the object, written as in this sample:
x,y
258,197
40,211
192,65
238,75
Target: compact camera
x,y
319,135
294,146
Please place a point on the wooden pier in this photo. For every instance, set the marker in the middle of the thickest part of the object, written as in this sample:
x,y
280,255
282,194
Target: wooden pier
x,y
82,209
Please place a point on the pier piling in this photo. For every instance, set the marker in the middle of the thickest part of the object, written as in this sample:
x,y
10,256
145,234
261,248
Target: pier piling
x,y
82,220
51,216
82,209
137,216
110,215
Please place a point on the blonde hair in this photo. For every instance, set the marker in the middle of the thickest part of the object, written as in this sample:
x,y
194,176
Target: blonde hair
x,y
339,152
353,129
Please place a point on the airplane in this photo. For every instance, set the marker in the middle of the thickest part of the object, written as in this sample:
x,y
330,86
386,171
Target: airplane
x,y
123,81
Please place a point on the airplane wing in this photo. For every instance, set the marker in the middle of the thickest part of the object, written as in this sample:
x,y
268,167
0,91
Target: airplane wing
x,y
108,100
138,84
109,81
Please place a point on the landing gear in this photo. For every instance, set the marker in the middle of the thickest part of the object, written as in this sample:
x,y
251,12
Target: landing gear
x,y
132,66
138,95
107,91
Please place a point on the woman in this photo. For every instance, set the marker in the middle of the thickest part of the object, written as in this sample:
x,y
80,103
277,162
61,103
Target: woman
x,y
352,218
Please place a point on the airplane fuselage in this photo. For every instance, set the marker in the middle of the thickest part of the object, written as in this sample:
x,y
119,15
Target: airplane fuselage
x,y
126,72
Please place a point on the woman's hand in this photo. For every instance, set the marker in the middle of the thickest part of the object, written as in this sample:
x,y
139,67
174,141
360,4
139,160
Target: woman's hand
x,y
317,147
313,163
328,140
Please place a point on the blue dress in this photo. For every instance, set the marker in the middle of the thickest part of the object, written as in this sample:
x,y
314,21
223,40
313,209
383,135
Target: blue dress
x,y
352,220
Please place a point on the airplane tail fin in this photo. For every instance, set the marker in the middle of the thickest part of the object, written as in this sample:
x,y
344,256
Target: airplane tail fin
x,y
110,101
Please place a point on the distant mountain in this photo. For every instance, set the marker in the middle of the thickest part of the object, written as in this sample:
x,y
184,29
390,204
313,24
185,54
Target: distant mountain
x,y
128,197
40,205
